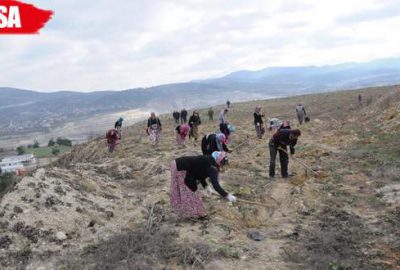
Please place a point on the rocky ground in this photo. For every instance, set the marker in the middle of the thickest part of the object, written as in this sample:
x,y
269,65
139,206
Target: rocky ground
x,y
95,210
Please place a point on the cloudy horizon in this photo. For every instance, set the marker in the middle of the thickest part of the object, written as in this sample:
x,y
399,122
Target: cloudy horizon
x,y
115,46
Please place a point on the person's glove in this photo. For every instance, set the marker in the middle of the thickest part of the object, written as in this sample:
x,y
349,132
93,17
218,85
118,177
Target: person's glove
x,y
209,191
230,151
231,198
292,151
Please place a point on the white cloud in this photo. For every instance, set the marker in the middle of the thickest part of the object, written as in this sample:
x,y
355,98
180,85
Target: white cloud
x,y
114,45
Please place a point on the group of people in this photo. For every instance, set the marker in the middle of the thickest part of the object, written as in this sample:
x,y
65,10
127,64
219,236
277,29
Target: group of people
x,y
190,128
188,171
180,116
283,137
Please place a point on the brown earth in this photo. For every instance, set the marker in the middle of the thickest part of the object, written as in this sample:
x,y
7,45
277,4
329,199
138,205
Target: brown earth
x,y
95,210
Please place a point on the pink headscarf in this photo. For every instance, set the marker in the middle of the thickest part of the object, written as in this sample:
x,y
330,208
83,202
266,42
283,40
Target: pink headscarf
x,y
184,130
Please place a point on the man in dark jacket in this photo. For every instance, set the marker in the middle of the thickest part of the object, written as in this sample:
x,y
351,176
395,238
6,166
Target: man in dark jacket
x,y
211,114
176,115
183,116
280,140
118,127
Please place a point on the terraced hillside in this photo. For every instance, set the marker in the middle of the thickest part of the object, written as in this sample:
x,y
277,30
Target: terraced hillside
x,y
95,210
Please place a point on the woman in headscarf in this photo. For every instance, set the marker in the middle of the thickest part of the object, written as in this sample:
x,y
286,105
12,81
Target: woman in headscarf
x,y
112,139
194,122
285,125
258,122
181,133
186,173
214,142
154,129
227,129
223,117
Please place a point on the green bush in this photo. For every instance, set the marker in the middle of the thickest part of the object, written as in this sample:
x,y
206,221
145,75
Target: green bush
x,y
35,144
55,151
51,142
6,180
20,150
64,141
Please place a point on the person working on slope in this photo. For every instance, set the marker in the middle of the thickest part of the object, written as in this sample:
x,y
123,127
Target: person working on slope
x,y
186,173
279,142
223,119
258,122
194,123
301,113
183,116
153,129
182,131
214,142
211,114
112,139
118,127
176,115
227,130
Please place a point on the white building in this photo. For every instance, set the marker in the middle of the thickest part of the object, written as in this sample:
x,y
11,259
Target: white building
x,y
24,159
15,163
10,167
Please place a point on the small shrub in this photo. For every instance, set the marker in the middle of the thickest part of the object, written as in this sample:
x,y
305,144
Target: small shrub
x,y
6,181
51,142
21,150
35,144
64,141
55,151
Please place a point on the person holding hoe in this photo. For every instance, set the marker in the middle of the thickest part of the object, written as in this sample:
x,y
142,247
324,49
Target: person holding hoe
x,y
186,173
279,143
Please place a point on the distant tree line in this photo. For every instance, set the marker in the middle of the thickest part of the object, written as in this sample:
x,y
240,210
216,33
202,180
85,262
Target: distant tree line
x,y
52,143
60,141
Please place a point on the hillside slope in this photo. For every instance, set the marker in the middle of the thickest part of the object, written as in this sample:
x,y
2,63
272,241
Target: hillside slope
x,y
96,210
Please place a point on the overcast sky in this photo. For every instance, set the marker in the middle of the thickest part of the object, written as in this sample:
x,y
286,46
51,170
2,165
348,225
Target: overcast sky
x,y
116,45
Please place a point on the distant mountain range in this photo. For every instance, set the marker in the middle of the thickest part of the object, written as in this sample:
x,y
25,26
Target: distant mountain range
x,y
24,110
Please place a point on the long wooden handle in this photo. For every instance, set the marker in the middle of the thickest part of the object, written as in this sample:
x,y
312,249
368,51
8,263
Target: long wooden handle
x,y
246,201
250,202
242,143
299,161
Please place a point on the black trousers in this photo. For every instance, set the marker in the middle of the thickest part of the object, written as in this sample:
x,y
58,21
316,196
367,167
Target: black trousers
x,y
205,146
283,158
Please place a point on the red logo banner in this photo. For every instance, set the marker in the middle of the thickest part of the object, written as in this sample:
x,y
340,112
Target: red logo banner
x,y
20,18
